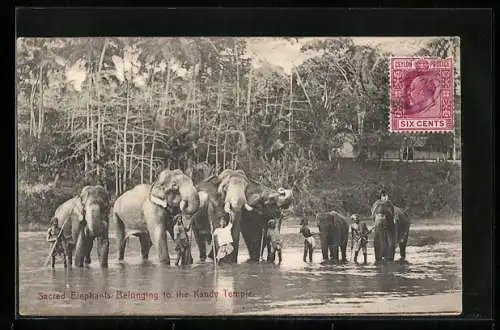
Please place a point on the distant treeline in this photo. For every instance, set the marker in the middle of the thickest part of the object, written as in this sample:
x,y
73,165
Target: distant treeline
x,y
145,104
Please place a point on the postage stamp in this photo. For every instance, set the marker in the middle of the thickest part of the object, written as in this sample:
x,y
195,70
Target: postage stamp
x,y
421,95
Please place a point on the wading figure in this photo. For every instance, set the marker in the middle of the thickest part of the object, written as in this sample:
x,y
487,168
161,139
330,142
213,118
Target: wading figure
x,y
223,240
60,248
309,242
359,238
274,244
182,244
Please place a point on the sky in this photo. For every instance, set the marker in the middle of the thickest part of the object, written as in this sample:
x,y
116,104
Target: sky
x,y
286,54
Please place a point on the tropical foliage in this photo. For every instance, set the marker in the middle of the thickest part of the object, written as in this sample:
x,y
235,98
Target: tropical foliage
x,y
119,110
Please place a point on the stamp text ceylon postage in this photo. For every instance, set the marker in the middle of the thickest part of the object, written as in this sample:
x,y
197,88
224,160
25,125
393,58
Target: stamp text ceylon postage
x,y
421,95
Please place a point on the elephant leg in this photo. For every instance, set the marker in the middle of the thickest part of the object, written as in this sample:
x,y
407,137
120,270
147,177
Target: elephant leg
x,y
103,250
65,254
343,250
236,235
81,249
268,248
89,250
324,249
402,247
306,248
377,242
202,244
69,256
335,256
252,231
159,239
120,236
391,246
145,246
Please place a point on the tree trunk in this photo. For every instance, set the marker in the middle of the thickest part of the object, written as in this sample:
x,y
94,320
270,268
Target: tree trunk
x,y
151,157
125,137
167,92
117,168
32,111
290,118
40,103
131,158
249,92
237,77
224,152
143,145
100,124
91,115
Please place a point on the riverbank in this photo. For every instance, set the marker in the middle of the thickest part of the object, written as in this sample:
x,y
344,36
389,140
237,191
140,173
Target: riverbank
x,y
292,224
288,225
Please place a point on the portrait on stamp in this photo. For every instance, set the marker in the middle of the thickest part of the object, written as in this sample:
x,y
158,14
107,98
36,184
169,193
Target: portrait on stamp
x,y
422,94
228,176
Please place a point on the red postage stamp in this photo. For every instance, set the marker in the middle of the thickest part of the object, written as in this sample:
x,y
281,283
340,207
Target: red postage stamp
x,y
421,95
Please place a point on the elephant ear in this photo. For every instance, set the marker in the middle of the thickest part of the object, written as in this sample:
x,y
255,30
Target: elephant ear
x,y
224,175
84,194
255,194
78,208
241,173
221,190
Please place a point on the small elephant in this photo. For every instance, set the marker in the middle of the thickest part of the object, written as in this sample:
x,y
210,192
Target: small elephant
x,y
384,233
147,211
401,231
84,218
334,234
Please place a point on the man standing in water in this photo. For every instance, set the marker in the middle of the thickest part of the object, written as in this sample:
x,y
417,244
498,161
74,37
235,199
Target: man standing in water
x,y
223,239
359,238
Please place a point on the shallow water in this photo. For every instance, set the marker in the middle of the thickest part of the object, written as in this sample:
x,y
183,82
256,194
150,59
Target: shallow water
x,y
147,288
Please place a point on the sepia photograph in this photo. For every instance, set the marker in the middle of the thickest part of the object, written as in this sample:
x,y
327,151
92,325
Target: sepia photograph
x,y
230,176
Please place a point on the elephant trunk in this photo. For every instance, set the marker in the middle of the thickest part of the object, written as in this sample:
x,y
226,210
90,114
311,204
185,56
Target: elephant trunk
x,y
93,219
190,201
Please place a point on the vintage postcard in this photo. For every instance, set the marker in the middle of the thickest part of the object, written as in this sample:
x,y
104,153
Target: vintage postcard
x,y
231,176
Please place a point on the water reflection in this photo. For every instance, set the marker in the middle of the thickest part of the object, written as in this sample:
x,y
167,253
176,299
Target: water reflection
x,y
264,287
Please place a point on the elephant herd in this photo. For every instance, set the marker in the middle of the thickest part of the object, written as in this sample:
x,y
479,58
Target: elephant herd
x,y
391,228
147,212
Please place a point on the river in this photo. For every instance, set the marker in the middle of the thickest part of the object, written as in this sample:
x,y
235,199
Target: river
x,y
431,282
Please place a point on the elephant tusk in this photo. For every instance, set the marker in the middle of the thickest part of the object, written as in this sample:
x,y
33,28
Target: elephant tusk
x,y
227,207
158,201
248,207
183,205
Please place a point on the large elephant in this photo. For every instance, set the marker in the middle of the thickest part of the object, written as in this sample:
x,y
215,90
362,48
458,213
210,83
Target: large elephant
x,y
392,227
263,204
267,204
384,232
84,218
147,211
232,191
334,234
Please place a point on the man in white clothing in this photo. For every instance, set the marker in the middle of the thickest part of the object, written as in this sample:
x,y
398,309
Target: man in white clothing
x,y
223,239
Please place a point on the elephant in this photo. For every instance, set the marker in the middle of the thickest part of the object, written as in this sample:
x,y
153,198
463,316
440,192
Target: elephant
x,y
334,234
84,218
147,211
231,190
402,225
267,204
384,239
263,204
392,226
